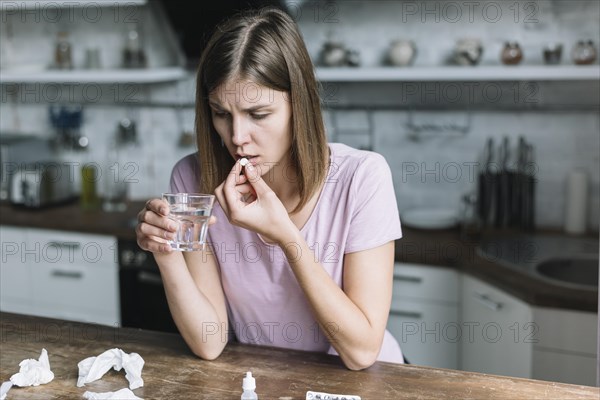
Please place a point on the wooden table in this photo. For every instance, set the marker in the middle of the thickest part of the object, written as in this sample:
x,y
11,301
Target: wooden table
x,y
171,371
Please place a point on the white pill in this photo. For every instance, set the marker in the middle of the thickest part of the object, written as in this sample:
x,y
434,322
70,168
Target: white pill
x,y
244,161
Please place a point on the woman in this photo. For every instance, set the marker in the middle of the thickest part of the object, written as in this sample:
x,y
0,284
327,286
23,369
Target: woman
x,y
302,238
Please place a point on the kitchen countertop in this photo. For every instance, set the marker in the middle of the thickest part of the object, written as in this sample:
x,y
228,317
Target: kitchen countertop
x,y
171,371
442,248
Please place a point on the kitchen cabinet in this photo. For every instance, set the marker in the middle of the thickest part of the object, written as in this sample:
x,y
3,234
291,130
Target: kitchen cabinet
x,y
509,337
566,346
15,280
497,331
125,10
59,274
424,314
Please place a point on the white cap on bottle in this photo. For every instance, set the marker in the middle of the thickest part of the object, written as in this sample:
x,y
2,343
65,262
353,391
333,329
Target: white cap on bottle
x,y
249,383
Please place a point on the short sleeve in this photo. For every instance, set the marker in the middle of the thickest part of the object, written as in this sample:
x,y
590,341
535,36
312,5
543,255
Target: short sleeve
x,y
184,176
374,219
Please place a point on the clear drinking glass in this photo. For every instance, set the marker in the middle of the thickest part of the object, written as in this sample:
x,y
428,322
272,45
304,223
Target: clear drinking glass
x,y
191,211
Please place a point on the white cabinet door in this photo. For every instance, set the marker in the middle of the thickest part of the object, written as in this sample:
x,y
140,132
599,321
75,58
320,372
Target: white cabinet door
x,y
557,366
567,346
59,274
498,331
425,282
424,314
428,334
15,275
76,277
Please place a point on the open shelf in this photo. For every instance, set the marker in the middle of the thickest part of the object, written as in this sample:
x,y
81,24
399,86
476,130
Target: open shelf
x,y
150,75
459,73
44,4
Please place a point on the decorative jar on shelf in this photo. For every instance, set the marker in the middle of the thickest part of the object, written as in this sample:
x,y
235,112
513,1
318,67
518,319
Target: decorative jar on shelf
x,y
552,53
402,52
333,54
584,53
511,53
468,51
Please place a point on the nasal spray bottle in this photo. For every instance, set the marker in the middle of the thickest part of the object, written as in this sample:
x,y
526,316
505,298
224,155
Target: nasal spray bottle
x,y
249,384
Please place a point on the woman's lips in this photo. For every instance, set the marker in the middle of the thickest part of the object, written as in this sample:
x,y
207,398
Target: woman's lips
x,y
251,159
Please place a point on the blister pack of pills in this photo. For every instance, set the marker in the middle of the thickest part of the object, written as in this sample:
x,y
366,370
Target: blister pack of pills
x,y
328,396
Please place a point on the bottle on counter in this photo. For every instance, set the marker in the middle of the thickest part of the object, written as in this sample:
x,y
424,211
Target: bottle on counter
x,y
114,197
90,175
248,385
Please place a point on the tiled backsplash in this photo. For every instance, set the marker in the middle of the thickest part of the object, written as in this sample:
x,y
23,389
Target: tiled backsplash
x,y
431,168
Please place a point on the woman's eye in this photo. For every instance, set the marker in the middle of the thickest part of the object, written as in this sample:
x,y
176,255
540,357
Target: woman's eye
x,y
220,114
259,116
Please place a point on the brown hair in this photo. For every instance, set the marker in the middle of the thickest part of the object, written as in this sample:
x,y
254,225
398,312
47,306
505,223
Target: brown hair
x,y
266,47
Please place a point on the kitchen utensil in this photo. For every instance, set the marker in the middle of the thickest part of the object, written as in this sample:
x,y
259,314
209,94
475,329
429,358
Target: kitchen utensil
x,y
503,204
527,187
16,150
487,184
430,218
41,184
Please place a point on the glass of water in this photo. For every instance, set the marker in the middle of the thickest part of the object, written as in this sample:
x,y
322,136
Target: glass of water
x,y
191,212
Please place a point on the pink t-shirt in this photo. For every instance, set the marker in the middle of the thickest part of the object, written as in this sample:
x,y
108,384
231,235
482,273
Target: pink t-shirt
x,y
356,210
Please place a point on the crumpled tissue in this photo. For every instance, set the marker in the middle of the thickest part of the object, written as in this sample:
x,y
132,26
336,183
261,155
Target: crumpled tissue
x,y
32,373
93,368
123,394
4,388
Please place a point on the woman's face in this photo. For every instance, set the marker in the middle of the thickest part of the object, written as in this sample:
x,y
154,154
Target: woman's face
x,y
254,122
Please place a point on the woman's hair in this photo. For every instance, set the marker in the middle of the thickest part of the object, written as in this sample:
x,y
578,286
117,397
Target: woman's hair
x,y
265,47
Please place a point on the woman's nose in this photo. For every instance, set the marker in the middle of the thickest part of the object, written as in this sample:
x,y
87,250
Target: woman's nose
x,y
240,134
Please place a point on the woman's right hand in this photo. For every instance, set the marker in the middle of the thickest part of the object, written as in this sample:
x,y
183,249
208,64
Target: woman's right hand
x,y
154,227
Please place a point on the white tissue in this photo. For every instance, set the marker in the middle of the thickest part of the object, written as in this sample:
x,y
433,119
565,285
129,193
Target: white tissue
x,y
93,368
33,372
123,394
4,388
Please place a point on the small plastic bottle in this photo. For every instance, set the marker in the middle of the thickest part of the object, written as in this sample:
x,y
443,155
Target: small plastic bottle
x,y
249,384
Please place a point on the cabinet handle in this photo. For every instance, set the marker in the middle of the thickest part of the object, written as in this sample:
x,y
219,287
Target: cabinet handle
x,y
407,314
406,278
67,274
484,300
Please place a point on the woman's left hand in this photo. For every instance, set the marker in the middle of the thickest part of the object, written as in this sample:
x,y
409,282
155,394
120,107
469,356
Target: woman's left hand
x,y
250,203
